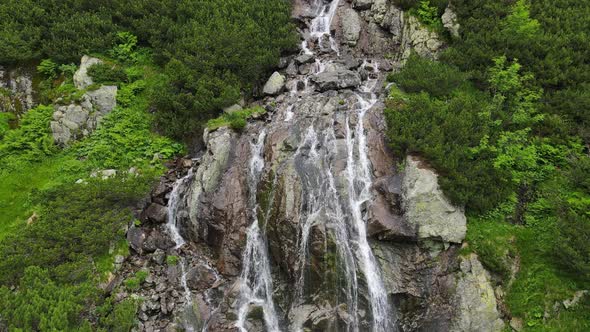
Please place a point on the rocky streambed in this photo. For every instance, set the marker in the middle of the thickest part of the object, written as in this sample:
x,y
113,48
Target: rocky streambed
x,y
304,221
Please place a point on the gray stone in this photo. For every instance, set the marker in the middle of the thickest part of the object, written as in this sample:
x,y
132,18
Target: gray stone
x,y
426,206
155,213
578,296
75,121
103,99
451,22
292,69
476,302
18,93
304,58
233,108
416,37
81,78
351,26
274,85
516,324
61,133
363,4
336,77
135,237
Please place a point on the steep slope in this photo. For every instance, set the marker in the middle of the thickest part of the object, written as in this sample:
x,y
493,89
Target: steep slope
x,y
302,221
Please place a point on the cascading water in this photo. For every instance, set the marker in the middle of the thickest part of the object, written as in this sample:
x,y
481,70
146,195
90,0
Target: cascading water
x,y
173,203
255,279
359,192
322,207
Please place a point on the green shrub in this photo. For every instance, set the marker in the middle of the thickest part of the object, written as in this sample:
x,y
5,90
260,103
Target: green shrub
x,y
31,141
436,78
427,13
41,304
124,316
141,275
48,68
103,73
572,247
125,49
93,214
132,283
5,119
444,128
235,120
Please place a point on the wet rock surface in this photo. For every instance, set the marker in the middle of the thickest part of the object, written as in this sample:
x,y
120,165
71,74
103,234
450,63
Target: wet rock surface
x,y
303,221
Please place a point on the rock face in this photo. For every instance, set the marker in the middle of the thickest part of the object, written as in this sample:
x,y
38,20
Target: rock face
x,y
274,85
79,119
81,78
336,77
418,38
427,208
302,221
17,94
476,302
451,22
351,26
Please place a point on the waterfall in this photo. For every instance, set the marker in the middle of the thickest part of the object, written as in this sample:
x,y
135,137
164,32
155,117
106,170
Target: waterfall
x,y
255,279
341,213
171,225
359,192
173,203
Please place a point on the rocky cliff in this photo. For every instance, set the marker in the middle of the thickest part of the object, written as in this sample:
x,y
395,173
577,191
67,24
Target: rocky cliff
x,y
303,222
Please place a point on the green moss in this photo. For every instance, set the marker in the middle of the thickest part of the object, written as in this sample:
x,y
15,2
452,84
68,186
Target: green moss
x,y
171,260
256,313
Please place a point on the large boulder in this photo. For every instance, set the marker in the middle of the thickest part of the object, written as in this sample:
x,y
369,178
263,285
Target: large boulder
x,y
351,26
81,78
427,208
17,94
418,38
78,120
451,22
476,302
274,85
336,77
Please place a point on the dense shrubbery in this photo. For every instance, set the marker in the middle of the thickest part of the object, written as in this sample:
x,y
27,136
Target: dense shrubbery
x,y
31,141
516,147
211,51
103,73
553,45
235,120
90,213
214,51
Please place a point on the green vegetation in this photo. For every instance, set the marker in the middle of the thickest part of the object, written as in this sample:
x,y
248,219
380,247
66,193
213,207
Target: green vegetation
x,y
176,68
212,52
235,120
48,198
103,73
171,260
503,118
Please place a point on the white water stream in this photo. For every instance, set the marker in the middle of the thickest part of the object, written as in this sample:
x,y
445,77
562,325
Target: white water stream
x,y
255,279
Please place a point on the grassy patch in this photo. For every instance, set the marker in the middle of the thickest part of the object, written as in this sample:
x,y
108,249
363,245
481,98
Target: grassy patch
x,y
235,120
539,284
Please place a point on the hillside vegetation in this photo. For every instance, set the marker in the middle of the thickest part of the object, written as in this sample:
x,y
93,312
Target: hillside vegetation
x,y
503,117
176,65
